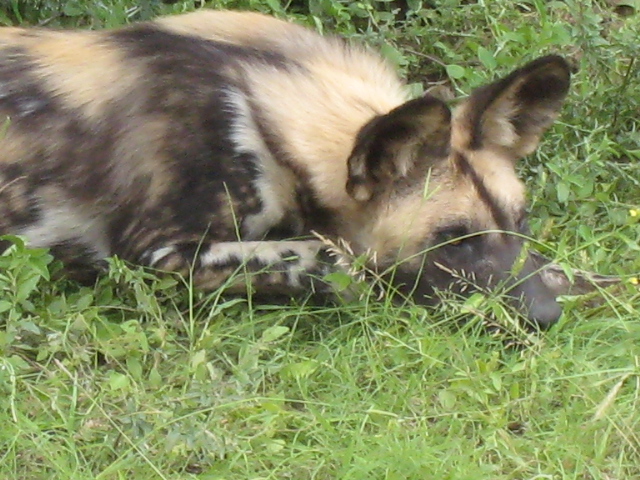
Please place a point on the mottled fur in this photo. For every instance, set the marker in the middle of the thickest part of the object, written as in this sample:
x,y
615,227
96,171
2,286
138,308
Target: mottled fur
x,y
210,141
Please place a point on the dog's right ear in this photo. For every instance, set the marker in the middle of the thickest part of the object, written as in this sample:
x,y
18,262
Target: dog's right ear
x,y
511,114
389,146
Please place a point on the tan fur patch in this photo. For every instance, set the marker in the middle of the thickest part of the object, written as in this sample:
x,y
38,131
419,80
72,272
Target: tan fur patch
x,y
15,146
499,176
131,165
81,68
241,28
13,34
322,121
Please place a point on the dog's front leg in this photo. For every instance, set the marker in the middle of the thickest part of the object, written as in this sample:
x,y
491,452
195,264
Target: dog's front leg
x,y
262,267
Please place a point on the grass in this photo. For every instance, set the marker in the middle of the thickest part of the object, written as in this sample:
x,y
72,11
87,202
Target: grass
x,y
143,378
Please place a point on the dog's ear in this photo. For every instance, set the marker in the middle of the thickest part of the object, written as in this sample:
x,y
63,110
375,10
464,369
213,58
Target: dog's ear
x,y
390,146
513,113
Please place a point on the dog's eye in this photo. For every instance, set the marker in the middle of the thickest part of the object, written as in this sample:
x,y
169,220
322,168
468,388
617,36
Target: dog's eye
x,y
453,236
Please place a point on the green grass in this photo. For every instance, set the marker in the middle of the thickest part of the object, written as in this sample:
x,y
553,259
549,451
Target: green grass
x,y
143,378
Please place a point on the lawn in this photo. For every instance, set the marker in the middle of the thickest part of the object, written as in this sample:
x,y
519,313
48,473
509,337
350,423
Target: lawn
x,y
140,377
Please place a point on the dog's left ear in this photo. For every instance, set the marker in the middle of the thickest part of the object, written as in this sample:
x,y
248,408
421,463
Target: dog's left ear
x,y
389,146
513,113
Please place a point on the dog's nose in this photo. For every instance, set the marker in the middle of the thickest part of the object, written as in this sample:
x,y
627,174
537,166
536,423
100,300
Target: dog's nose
x,y
544,313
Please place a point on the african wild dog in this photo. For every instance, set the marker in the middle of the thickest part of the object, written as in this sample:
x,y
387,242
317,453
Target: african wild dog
x,y
217,140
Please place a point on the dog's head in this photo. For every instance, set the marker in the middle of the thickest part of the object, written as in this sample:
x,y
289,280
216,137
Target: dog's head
x,y
442,193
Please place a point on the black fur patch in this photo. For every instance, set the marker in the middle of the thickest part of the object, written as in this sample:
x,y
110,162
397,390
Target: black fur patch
x,y
196,57
379,138
18,202
410,138
21,92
